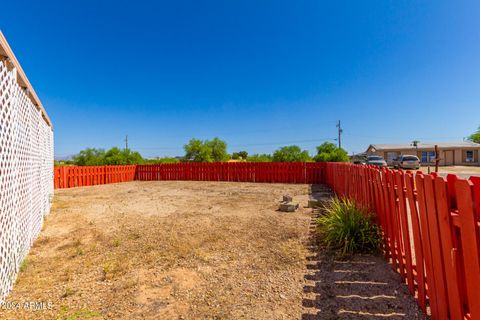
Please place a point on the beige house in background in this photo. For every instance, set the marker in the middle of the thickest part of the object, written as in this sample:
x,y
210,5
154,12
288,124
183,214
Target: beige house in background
x,y
451,153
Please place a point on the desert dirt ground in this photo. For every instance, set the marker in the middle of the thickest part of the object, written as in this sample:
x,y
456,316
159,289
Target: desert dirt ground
x,y
195,250
463,172
460,169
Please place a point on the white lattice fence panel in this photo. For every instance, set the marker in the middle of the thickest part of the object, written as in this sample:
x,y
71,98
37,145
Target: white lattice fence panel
x,y
26,176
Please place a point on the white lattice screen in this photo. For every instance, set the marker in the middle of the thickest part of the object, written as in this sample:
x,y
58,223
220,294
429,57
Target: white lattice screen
x,y
26,175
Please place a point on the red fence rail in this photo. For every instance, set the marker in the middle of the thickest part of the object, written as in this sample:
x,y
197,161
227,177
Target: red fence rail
x,y
431,232
79,176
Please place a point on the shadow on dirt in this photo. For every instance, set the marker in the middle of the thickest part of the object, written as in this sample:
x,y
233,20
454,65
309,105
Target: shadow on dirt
x,y
353,287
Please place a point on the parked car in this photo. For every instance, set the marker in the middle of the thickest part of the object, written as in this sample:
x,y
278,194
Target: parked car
x,y
376,161
407,162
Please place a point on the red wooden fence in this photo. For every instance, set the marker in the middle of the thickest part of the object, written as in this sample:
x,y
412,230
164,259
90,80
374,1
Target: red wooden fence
x,y
430,224
274,172
431,232
280,172
77,176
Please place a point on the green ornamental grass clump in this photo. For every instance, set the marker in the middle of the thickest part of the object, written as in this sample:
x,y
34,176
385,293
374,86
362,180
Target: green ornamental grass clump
x,y
349,228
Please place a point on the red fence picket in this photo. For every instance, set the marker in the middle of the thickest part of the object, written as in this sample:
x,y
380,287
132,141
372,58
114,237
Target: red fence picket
x,y
431,231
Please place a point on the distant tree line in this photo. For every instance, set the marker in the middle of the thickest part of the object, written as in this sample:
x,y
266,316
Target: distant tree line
x,y
214,150
100,157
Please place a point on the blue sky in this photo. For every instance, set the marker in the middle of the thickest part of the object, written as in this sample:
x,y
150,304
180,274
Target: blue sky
x,y
258,74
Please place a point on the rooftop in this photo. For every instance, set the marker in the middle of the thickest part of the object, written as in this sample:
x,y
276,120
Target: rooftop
x,y
427,145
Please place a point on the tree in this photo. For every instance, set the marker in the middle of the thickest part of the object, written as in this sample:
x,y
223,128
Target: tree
x,y
206,151
260,158
291,154
243,154
89,157
240,155
133,157
114,156
329,152
218,149
196,150
475,137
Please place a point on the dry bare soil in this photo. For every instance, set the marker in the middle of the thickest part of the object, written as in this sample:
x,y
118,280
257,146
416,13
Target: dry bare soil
x,y
168,250
196,250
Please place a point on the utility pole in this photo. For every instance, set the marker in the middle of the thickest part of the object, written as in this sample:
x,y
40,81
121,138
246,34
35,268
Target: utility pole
x,y
339,134
126,142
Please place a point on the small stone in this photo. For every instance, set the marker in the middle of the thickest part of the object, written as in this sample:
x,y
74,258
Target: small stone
x,y
287,198
288,207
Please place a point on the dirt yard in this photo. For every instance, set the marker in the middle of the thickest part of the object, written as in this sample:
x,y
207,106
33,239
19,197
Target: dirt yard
x,y
168,250
194,250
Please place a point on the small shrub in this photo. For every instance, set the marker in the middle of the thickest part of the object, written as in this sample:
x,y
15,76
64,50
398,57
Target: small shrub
x,y
79,252
114,268
68,292
108,269
24,265
115,243
349,228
